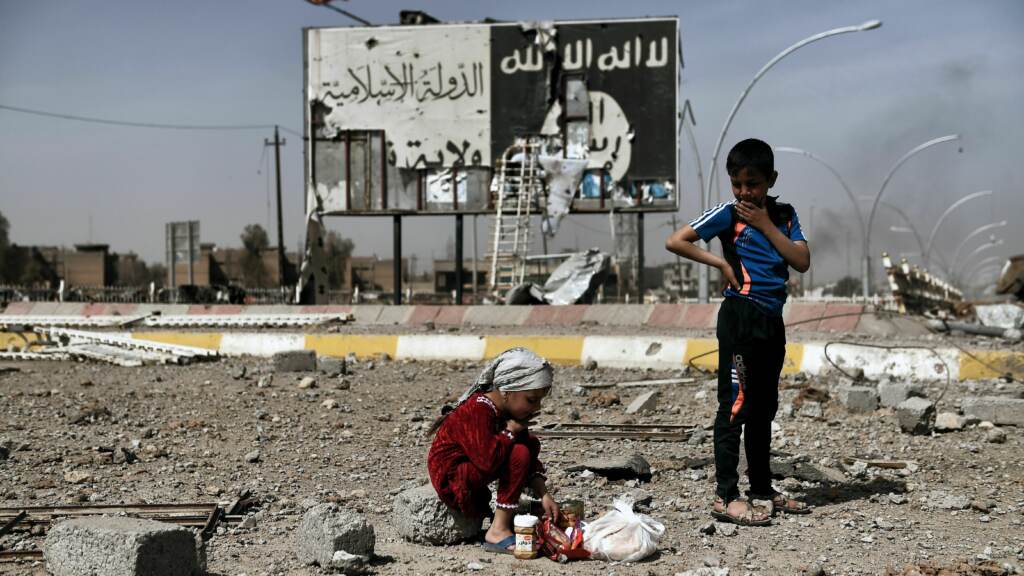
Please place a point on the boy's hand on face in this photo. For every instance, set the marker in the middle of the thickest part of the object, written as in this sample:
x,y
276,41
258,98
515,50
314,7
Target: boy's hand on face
x,y
754,215
515,426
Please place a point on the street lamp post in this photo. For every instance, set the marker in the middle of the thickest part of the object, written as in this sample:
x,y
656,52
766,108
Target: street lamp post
x,y
952,207
869,25
992,244
991,261
963,243
866,271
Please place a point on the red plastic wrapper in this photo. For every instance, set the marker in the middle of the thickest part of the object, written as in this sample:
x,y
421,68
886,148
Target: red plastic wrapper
x,y
559,545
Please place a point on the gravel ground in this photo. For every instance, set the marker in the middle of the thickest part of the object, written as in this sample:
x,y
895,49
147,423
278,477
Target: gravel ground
x,y
359,439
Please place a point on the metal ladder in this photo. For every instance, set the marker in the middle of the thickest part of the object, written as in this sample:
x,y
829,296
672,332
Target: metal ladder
x,y
517,182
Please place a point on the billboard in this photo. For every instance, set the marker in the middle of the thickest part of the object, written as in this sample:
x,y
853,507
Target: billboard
x,y
416,118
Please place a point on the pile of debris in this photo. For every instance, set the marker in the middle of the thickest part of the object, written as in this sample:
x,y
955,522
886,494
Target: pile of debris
x,y
122,350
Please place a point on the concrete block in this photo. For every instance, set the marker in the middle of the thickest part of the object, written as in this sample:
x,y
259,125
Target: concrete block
x,y
419,516
644,402
618,314
332,365
295,361
328,528
892,394
916,415
998,410
858,399
497,315
122,547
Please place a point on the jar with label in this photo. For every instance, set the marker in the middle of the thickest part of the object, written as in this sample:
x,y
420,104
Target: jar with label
x,y
526,536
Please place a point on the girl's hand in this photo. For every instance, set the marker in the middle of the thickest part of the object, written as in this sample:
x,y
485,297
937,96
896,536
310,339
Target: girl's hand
x,y
515,426
550,507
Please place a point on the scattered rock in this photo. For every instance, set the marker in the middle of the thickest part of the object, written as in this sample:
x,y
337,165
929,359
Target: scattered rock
x,y
616,468
330,403
90,413
590,364
294,361
995,436
307,383
948,422
77,477
705,571
603,399
916,415
419,516
725,528
643,403
327,529
239,373
253,457
121,546
265,381
811,409
349,563
945,501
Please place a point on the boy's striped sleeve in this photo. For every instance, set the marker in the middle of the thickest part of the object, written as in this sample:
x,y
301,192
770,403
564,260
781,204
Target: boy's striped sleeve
x,y
713,221
795,232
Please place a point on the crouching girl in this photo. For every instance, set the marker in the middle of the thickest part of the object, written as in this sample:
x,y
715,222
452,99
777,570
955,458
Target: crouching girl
x,y
485,438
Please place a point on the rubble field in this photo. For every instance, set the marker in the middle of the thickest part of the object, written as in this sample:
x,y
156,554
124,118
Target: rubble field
x,y
885,501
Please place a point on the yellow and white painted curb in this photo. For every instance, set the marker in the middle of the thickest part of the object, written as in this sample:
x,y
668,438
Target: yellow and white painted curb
x,y
612,352
608,351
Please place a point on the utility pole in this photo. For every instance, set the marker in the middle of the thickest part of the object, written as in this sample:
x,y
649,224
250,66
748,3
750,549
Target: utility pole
x,y
277,143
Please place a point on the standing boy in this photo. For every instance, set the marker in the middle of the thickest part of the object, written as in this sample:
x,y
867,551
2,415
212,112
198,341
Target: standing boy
x,y
761,239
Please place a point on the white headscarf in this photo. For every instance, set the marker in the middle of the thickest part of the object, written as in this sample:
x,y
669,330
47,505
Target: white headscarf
x,y
513,370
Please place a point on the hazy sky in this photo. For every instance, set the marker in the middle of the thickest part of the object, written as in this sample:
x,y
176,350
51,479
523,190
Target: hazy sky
x,y
860,101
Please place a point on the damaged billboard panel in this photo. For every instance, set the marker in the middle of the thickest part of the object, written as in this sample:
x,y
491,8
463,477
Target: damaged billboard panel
x,y
415,119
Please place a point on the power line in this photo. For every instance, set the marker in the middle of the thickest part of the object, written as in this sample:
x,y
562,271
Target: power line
x,y
155,125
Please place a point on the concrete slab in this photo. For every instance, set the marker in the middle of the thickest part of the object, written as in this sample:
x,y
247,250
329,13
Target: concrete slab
x,y
19,308
667,315
841,323
394,315
496,315
700,316
803,317
121,547
451,315
423,314
571,315
367,313
214,309
618,314
998,410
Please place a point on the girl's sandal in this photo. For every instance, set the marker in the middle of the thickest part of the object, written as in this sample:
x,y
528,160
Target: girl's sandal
x,y
751,516
784,504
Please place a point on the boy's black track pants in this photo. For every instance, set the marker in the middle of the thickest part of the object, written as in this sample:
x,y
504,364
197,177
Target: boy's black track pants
x,y
751,352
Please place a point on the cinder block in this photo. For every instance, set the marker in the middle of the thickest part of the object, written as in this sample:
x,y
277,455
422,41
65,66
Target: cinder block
x,y
892,394
419,516
295,361
996,409
858,399
644,402
122,547
916,416
328,528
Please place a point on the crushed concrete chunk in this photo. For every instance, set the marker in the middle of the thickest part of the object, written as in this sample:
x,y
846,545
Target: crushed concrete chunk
x,y
122,547
644,402
916,416
421,517
295,361
327,529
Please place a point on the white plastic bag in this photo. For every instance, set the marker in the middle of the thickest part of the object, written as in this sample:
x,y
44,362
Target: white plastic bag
x,y
622,535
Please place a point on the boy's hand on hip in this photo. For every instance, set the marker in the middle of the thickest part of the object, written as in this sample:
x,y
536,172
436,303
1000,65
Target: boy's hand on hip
x,y
730,276
754,215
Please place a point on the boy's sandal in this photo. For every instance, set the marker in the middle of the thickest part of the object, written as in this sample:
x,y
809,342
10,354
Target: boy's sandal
x,y
502,547
784,504
751,516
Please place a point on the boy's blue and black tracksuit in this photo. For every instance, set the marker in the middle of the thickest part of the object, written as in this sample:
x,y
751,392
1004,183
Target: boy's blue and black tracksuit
x,y
751,341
